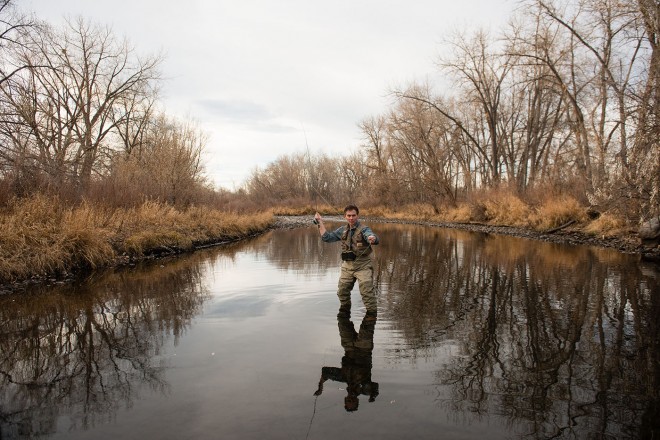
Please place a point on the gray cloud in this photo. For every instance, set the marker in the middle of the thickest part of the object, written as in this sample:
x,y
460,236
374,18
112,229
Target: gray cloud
x,y
255,115
235,110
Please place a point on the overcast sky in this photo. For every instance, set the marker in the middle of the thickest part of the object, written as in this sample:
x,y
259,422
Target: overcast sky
x,y
254,73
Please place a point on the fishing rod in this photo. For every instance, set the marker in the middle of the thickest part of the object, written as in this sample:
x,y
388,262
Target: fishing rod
x,y
310,171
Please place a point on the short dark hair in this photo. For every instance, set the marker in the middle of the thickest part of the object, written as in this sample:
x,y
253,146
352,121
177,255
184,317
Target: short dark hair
x,y
351,208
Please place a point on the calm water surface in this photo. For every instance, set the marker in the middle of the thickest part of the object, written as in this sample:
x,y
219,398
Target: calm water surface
x,y
477,336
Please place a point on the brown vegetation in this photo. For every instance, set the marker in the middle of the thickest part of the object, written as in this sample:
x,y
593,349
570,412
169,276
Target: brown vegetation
x,y
553,122
561,107
503,209
91,174
40,237
539,216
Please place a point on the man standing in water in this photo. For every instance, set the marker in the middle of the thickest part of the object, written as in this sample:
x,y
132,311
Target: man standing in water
x,y
356,241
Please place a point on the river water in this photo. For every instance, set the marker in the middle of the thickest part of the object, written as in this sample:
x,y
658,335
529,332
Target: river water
x,y
477,336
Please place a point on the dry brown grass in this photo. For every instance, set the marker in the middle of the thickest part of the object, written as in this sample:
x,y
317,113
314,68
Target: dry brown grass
x,y
307,209
607,225
155,226
40,237
374,211
35,237
558,211
421,210
413,211
503,208
463,213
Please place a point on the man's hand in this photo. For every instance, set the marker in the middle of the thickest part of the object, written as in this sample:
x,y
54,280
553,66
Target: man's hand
x,y
371,239
319,390
319,222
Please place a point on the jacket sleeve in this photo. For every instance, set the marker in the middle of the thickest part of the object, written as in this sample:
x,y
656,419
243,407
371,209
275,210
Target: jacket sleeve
x,y
331,236
367,232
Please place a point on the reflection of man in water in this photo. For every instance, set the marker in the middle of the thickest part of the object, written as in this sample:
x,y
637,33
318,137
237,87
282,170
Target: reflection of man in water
x,y
356,364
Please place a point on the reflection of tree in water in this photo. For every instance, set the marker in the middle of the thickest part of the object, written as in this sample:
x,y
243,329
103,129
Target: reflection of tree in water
x,y
297,250
85,352
549,337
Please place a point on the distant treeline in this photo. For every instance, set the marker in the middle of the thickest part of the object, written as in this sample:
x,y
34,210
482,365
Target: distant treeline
x,y
565,100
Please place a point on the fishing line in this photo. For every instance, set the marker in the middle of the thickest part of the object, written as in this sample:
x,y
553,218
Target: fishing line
x,y
312,420
317,192
311,183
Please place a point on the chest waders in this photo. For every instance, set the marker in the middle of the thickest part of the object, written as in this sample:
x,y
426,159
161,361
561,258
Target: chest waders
x,y
356,266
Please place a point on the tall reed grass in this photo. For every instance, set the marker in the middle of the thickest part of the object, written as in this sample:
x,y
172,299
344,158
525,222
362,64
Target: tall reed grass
x,y
41,237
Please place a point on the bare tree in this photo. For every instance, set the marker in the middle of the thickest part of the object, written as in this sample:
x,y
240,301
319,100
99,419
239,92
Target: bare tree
x,y
646,151
132,117
617,47
382,178
165,166
287,178
567,97
534,111
13,26
420,141
71,97
481,73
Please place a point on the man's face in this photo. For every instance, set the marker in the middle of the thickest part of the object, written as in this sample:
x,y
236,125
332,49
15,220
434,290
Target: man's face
x,y
351,217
